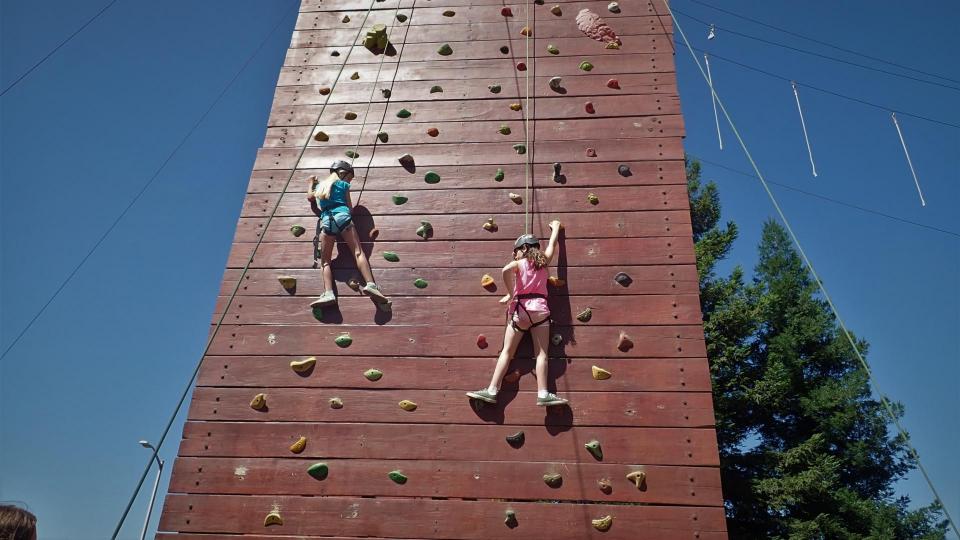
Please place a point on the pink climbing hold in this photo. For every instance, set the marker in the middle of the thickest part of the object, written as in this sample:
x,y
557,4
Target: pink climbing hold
x,y
595,28
521,66
591,152
482,341
506,12
613,83
589,107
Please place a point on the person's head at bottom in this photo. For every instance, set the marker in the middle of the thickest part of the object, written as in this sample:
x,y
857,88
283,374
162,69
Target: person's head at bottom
x,y
17,523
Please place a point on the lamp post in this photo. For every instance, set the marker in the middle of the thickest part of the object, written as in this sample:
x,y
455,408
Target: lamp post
x,y
156,484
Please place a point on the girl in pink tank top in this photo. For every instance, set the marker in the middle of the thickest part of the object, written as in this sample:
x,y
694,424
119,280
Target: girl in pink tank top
x,y
527,313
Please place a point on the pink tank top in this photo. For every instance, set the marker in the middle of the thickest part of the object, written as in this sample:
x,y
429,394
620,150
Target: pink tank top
x,y
531,280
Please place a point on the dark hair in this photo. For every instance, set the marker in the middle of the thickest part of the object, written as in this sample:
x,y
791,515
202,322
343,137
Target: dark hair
x,y
17,523
534,255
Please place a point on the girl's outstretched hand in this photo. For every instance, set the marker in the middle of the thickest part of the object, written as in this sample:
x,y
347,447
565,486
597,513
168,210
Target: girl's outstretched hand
x,y
506,299
555,224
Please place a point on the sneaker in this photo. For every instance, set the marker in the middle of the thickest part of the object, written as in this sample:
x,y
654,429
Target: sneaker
x,y
325,299
483,395
550,400
373,291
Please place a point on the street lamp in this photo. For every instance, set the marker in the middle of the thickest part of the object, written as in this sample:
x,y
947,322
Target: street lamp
x,y
156,484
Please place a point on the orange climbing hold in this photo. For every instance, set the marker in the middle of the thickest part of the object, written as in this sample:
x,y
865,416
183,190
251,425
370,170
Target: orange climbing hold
x,y
433,132
487,281
554,281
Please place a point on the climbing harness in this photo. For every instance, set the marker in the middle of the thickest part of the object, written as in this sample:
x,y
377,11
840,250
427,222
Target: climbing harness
x,y
517,304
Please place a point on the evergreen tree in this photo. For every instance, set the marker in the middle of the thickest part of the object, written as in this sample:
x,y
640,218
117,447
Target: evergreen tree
x,y
805,450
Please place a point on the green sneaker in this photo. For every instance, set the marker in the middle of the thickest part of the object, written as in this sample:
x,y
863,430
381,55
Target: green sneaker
x,y
325,299
483,395
550,400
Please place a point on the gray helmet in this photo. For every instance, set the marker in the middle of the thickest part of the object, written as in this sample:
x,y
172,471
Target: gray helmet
x,y
526,240
339,165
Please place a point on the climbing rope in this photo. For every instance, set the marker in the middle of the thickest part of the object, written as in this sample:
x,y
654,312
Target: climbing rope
x,y
236,288
527,165
853,345
909,161
803,124
713,98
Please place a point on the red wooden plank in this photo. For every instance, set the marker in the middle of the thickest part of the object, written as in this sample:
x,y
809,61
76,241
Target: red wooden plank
x,y
436,518
696,486
330,5
449,442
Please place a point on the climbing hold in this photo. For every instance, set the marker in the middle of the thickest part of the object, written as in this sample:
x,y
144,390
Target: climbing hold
x,y
586,66
298,446
638,478
335,53
599,373
336,403
406,160
585,315
297,230
504,129
591,152
511,519
623,279
433,132
594,448
449,13
345,19
350,115
401,17
498,177
490,226
613,7
553,480
431,177
383,136
613,83
612,45
494,88
552,49
399,199
487,281
445,50
373,374
273,518
355,76
403,113
506,12
516,440
482,341
408,405
324,90
624,170
595,28
603,524
420,283
259,402
306,364
588,106
556,282
354,284
525,31
436,89
376,39
520,148
351,154
555,83
287,282
321,137
343,340
538,2
425,230
556,339
386,92
605,486
593,199
521,66
624,343
504,50
515,106
318,470
556,10
391,256
516,198
556,172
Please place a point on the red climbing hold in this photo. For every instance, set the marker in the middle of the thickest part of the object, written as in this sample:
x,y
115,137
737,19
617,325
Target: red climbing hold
x,y
521,66
588,106
613,83
482,341
506,12
433,132
591,152
624,344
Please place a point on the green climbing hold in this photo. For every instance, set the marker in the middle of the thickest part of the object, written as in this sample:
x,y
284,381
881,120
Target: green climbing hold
x,y
552,49
397,477
401,17
516,440
431,177
373,374
520,148
586,66
504,129
383,136
553,480
420,283
445,50
399,199
343,340
495,88
403,113
425,230
594,448
585,315
449,13
376,39
511,519
318,470
351,154
391,256
297,230
498,177
435,89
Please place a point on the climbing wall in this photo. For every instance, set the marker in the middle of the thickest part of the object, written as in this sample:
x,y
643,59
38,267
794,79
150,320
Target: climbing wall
x,y
352,422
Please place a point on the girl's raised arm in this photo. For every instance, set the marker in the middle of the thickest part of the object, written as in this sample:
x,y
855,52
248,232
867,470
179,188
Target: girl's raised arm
x,y
555,227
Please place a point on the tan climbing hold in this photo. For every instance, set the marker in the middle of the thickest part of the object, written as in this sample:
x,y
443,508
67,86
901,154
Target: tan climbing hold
x,y
605,486
303,365
593,199
638,478
624,343
487,281
603,524
287,282
324,90
336,403
554,281
355,76
376,39
599,373
273,518
515,106
299,446
556,10
612,45
258,402
408,405
321,137
490,225
554,480
585,315
350,115
516,198
526,31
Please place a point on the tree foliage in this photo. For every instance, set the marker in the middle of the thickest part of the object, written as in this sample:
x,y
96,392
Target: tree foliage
x,y
805,449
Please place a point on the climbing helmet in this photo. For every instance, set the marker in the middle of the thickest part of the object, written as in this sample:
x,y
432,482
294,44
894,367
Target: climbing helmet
x,y
526,240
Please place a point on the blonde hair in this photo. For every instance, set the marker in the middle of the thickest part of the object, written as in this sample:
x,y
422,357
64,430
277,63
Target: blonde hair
x,y
322,191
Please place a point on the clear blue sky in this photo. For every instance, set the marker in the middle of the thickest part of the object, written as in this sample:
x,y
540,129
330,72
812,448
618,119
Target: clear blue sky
x,y
105,364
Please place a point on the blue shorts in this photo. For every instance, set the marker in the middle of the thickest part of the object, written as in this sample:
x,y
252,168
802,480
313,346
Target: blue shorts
x,y
334,223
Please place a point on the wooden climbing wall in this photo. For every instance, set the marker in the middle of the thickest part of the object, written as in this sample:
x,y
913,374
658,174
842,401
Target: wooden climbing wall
x,y
653,415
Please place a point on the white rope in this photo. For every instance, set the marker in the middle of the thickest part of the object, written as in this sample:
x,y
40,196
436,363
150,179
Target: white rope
x,y
863,362
803,124
909,161
713,99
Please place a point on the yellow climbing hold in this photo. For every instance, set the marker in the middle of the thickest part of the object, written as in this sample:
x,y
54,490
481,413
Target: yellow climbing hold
x,y
273,518
408,405
554,281
600,374
303,365
486,281
287,282
298,446
637,477
258,402
525,31
515,106
612,45
603,524
336,403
